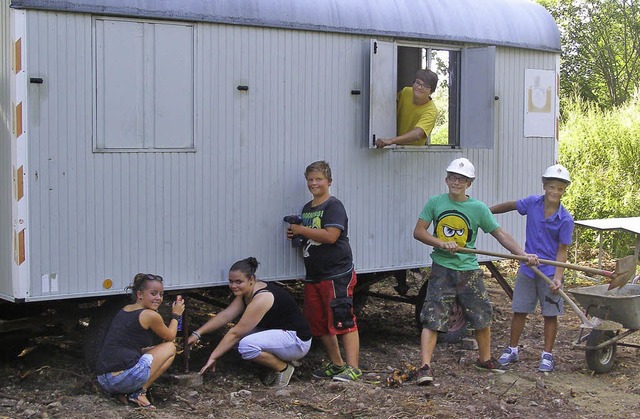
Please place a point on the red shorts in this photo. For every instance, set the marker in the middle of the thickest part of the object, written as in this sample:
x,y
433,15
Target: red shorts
x,y
317,304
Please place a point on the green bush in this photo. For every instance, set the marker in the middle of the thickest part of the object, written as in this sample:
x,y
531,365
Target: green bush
x,y
601,149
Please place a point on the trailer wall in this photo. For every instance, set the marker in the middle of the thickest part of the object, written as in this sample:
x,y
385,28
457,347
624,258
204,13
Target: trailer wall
x,y
186,209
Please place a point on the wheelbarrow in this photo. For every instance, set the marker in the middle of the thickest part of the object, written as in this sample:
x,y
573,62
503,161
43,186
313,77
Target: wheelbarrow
x,y
615,314
612,307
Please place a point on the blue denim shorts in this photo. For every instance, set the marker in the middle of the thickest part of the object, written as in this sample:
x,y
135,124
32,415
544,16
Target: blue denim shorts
x,y
127,381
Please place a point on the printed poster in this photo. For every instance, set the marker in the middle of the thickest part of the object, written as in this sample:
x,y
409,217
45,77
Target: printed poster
x,y
539,103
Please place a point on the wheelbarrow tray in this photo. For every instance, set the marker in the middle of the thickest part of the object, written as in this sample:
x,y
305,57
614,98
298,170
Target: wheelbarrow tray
x,y
620,305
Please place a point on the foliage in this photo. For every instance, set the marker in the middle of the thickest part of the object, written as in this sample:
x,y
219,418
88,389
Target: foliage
x,y
601,149
440,133
440,63
600,59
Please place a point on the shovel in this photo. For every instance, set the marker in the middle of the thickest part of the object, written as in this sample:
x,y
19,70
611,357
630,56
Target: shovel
x,y
586,323
625,267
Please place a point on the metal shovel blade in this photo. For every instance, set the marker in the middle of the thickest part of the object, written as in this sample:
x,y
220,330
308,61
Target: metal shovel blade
x,y
625,269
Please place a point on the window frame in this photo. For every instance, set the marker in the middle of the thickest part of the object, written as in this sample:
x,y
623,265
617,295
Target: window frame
x,y
150,109
471,93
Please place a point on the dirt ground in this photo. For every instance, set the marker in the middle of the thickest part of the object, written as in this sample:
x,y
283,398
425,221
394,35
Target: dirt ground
x,y
48,379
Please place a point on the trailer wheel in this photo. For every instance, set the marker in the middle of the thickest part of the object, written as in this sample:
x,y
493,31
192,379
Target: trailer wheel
x,y
600,360
457,324
99,324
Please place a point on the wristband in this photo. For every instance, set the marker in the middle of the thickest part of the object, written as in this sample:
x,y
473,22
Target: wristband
x,y
196,334
176,317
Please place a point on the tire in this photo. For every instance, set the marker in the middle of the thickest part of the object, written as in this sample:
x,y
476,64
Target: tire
x,y
600,360
99,324
457,324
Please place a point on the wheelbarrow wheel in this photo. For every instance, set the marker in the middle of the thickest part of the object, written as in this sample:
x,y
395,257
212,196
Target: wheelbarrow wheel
x,y
600,360
457,324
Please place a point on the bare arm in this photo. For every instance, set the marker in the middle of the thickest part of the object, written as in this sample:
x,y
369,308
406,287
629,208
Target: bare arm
x,y
421,233
503,207
150,319
511,245
254,312
561,256
229,314
327,235
409,137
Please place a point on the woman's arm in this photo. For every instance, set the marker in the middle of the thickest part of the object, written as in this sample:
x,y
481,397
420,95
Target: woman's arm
x,y
229,314
150,319
254,312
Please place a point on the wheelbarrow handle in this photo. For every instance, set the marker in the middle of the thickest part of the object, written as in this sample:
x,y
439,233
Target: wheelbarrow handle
x,y
587,269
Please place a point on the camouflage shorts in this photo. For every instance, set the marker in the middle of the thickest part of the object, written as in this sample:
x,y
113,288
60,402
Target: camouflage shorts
x,y
447,286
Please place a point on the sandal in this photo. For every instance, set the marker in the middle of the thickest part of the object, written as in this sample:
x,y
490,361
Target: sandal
x,y
135,398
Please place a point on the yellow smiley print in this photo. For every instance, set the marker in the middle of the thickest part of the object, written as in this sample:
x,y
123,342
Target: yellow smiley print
x,y
452,227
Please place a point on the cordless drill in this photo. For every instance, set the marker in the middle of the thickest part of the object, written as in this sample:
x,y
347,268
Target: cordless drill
x,y
297,240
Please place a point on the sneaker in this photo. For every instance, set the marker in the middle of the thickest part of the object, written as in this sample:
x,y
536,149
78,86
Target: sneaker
x,y
282,378
507,357
490,365
329,370
425,375
546,363
349,374
268,377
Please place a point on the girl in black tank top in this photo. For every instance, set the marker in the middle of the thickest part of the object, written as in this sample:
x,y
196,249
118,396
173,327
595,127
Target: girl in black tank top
x,y
128,363
271,331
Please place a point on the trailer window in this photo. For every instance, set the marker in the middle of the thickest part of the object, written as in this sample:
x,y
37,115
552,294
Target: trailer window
x,y
144,86
464,95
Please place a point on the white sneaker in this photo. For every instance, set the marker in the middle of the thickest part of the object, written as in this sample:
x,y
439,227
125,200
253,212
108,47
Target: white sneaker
x,y
508,356
546,363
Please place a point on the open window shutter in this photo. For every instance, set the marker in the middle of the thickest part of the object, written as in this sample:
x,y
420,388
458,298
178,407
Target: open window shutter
x,y
477,98
382,91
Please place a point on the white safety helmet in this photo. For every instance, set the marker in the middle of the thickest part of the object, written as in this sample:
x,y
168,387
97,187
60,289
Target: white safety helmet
x,y
462,166
557,171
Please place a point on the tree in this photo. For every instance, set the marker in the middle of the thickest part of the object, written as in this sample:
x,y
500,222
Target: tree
x,y
600,59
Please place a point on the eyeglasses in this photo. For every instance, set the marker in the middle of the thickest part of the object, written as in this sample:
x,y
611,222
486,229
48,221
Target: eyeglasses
x,y
420,85
458,179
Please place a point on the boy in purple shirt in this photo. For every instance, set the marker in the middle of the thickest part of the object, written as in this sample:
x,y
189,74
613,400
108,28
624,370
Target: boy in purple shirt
x,y
548,234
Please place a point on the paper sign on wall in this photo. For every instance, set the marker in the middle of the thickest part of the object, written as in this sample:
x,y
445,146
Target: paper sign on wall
x,y
539,103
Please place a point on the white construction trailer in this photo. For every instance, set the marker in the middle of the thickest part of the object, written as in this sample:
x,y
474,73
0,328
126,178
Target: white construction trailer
x,y
171,137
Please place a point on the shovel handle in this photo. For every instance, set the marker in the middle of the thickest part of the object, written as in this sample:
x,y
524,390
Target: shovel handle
x,y
587,269
585,320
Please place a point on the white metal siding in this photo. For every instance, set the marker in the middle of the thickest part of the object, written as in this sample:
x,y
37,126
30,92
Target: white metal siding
x,y
522,160
188,216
